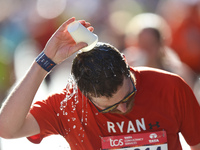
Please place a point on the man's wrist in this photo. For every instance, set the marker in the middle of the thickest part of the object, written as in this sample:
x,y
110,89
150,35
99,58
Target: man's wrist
x,y
45,62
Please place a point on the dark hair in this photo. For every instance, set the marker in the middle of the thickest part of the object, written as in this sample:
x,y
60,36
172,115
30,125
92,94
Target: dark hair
x,y
101,71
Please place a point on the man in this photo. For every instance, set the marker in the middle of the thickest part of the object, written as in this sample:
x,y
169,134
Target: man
x,y
114,106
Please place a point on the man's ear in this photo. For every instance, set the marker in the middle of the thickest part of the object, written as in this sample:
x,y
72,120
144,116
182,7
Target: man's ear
x,y
124,58
127,65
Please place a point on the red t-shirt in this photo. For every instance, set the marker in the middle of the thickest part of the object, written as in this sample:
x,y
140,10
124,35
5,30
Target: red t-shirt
x,y
163,102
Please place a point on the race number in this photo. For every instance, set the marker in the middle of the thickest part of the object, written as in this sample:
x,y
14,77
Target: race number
x,y
142,141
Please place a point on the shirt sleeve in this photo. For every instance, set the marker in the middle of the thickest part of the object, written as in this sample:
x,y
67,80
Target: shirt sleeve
x,y
45,112
190,114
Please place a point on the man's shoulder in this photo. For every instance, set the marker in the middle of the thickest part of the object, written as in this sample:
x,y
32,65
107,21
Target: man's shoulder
x,y
151,70
154,71
157,75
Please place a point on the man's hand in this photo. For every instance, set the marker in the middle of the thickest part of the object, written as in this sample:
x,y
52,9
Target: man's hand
x,y
61,45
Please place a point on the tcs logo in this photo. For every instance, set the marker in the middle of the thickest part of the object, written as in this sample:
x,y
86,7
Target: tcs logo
x,y
116,142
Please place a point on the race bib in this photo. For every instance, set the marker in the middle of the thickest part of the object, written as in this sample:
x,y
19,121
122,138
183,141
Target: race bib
x,y
142,141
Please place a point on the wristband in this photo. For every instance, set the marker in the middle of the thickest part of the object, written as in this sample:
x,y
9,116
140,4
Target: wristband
x,y
45,62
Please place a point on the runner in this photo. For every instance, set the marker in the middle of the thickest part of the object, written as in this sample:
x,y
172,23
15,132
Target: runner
x,y
107,105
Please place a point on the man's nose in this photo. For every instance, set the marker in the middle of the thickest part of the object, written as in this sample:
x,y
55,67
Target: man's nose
x,y
122,107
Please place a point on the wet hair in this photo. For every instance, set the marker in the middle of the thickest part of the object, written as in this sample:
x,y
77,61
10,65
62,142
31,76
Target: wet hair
x,y
101,71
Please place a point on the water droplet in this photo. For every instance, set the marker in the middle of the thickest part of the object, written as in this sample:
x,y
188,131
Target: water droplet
x,y
71,91
81,140
74,126
96,113
58,114
76,102
65,113
68,120
73,119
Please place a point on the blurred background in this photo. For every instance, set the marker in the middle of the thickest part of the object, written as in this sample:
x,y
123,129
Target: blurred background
x,y
162,34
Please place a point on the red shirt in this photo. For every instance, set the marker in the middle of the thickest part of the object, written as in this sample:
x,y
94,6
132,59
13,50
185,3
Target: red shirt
x,y
163,102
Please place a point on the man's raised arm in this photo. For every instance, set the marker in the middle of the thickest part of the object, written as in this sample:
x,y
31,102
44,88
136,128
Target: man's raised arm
x,y
15,119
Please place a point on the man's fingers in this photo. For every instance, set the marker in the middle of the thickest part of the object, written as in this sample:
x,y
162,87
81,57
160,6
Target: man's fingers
x,y
69,21
84,23
90,28
79,46
66,23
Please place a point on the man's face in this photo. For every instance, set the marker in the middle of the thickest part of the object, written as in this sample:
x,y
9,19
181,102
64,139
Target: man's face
x,y
122,108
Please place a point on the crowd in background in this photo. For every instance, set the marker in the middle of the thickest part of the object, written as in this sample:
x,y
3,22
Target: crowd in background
x,y
163,34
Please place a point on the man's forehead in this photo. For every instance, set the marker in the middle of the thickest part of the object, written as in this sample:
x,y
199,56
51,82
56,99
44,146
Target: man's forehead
x,y
120,94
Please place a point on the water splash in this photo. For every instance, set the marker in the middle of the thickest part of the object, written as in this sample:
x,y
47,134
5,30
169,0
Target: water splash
x,y
71,94
65,113
84,111
71,99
